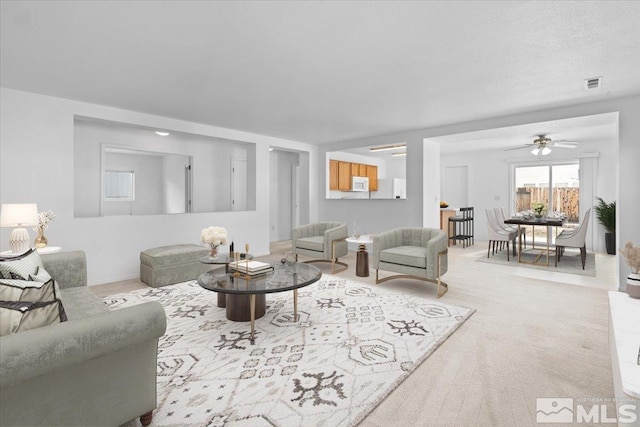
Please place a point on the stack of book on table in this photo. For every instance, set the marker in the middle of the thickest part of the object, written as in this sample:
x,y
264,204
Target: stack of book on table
x,y
251,268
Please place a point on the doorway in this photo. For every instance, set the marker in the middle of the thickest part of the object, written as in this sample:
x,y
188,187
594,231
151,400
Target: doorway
x,y
286,186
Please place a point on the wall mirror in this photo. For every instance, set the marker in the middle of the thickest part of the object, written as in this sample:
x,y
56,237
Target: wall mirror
x,y
125,169
374,172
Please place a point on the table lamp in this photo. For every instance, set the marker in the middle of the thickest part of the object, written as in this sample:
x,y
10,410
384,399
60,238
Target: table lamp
x,y
19,215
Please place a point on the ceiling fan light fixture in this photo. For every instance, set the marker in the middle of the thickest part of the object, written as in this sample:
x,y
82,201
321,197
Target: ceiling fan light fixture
x,y
161,133
535,151
545,151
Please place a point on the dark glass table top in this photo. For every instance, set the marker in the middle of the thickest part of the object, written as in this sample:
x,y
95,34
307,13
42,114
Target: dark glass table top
x,y
557,222
222,258
282,278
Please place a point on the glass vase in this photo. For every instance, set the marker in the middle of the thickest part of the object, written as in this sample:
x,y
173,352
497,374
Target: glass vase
x,y
41,241
214,251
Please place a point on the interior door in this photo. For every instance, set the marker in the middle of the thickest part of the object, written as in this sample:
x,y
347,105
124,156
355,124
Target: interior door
x,y
238,184
295,195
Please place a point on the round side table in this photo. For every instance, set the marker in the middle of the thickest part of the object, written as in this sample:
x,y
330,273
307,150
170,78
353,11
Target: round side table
x,y
41,251
362,256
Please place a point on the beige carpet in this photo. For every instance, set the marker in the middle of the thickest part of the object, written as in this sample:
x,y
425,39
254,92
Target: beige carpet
x,y
570,263
534,334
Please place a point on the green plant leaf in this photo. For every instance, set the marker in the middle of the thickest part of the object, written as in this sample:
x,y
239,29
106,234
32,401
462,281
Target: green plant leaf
x,y
606,214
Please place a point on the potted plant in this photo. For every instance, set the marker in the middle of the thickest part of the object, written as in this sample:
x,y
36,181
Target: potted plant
x,y
606,214
538,207
631,255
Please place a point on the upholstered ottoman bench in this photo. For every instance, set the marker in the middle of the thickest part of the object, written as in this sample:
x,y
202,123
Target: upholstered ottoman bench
x,y
167,265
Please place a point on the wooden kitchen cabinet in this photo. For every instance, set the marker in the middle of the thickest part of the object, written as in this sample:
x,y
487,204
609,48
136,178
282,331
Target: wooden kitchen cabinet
x,y
355,169
344,176
333,175
372,174
362,170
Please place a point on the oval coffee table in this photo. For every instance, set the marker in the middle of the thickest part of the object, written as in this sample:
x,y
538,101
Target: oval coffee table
x,y
246,297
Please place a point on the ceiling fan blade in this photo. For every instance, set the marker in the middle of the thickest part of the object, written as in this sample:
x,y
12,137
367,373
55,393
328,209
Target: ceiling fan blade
x,y
565,145
519,148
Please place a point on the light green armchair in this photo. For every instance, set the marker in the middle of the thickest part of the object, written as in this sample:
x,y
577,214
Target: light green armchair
x,y
324,241
416,253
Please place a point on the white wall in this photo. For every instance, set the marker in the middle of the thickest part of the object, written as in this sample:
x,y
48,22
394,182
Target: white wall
x,y
36,165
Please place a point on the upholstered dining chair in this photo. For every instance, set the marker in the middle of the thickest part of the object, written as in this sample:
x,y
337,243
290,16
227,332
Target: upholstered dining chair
x,y
497,234
574,239
324,241
416,253
500,217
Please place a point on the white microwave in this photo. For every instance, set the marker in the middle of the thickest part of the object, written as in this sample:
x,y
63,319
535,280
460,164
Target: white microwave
x,y
359,183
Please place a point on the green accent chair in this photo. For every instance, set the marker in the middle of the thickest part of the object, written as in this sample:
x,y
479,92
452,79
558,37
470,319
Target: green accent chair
x,y
416,253
324,241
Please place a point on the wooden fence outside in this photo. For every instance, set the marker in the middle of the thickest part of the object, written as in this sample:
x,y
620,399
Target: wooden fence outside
x,y
565,200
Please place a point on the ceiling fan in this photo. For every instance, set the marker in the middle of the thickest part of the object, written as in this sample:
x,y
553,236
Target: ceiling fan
x,y
542,145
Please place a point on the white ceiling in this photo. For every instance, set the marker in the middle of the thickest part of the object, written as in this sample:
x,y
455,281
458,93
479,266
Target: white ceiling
x,y
601,128
322,72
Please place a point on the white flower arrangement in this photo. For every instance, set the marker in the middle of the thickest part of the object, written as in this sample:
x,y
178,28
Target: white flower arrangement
x,y
214,236
44,218
631,254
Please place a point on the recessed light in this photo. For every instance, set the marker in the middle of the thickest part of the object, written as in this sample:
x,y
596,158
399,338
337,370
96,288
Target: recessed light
x,y
388,147
162,133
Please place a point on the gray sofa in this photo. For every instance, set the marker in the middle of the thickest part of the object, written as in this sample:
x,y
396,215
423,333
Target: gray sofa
x,y
98,368
416,253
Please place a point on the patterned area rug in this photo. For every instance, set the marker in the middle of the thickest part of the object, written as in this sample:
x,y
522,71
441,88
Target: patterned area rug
x,y
354,343
569,263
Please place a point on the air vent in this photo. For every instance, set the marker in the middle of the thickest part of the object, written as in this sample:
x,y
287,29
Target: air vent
x,y
593,83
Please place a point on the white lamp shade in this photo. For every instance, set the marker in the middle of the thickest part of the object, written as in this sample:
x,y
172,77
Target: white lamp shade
x,y
17,215
545,151
535,151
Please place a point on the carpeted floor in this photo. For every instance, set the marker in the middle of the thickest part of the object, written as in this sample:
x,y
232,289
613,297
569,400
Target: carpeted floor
x,y
351,347
570,262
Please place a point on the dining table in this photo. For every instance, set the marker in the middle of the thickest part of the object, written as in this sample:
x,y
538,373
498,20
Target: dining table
x,y
548,223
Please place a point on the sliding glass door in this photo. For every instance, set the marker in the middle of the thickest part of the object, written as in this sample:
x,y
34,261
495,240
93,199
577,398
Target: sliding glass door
x,y
556,186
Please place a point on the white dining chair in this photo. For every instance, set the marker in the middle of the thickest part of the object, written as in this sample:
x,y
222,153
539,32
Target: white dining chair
x,y
498,234
501,218
574,239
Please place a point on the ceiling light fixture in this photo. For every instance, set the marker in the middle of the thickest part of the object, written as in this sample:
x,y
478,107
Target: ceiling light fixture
x,y
271,148
404,153
544,151
388,147
162,133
